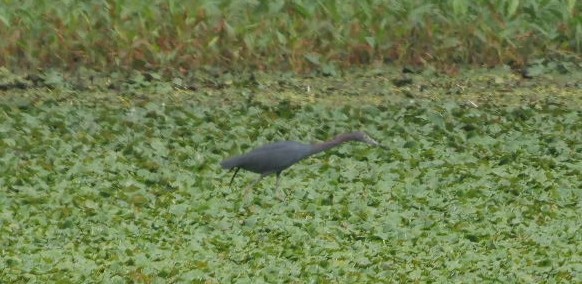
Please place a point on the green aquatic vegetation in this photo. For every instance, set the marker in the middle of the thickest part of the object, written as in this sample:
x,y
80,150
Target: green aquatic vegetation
x,y
95,192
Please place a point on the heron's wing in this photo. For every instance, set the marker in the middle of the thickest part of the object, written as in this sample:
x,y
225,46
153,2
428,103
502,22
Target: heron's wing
x,y
270,158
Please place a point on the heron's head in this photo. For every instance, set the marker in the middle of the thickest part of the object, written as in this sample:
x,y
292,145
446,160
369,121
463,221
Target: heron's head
x,y
364,137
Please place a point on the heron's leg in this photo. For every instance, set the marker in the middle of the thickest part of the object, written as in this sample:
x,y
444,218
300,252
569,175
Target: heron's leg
x,y
278,180
248,189
232,179
278,195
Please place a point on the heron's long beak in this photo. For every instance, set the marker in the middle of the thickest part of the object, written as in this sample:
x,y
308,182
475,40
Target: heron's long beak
x,y
373,142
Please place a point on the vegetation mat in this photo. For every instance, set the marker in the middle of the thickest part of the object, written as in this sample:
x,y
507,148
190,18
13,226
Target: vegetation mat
x,y
125,185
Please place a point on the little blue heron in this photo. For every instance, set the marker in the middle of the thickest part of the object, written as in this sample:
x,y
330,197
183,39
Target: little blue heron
x,y
276,157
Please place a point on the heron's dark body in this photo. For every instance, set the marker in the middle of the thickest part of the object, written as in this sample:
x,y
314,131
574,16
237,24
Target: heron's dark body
x,y
271,158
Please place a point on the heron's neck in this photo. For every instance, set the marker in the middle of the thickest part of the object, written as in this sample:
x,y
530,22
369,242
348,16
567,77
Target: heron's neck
x,y
320,147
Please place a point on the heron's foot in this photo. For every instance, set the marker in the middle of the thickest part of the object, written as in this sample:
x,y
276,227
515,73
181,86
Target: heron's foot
x,y
247,196
281,195
226,192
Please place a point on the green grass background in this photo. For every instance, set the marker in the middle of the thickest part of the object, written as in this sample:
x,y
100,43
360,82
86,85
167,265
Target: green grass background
x,y
297,35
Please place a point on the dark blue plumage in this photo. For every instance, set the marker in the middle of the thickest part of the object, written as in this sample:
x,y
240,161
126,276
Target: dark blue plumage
x,y
276,157
270,158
